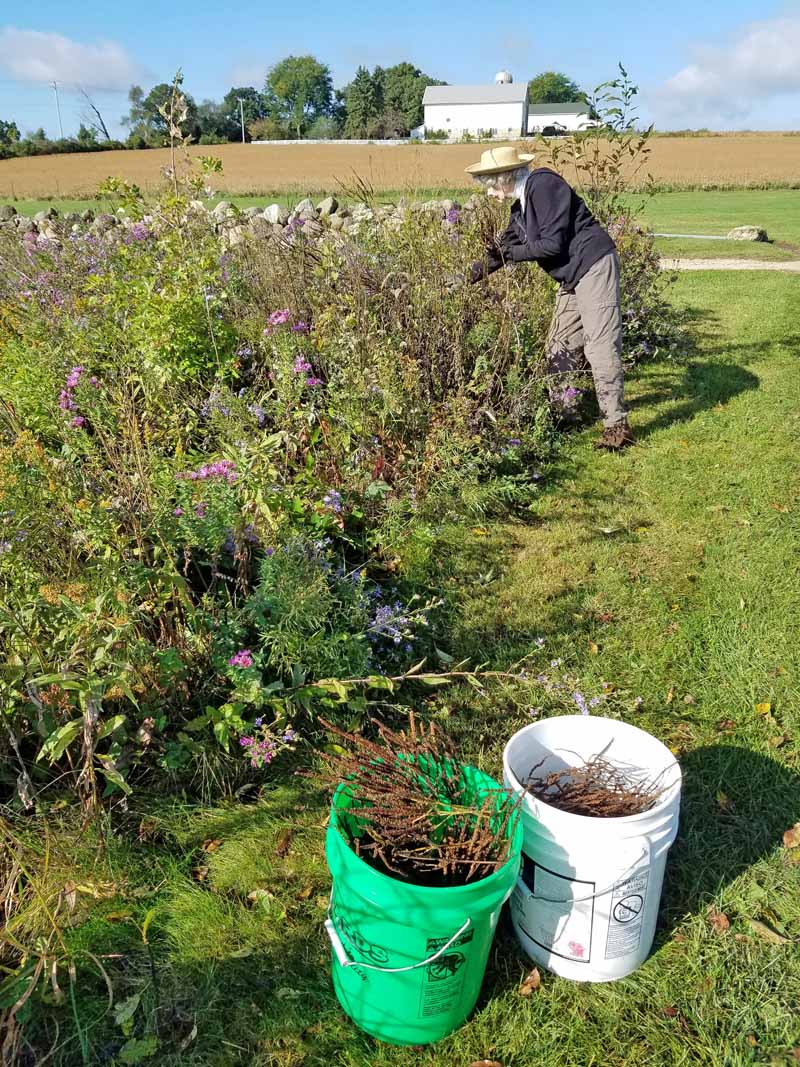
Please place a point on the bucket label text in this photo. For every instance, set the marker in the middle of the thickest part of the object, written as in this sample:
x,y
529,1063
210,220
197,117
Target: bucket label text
x,y
443,978
626,917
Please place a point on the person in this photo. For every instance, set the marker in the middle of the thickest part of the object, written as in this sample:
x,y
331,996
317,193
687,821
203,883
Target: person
x,y
552,226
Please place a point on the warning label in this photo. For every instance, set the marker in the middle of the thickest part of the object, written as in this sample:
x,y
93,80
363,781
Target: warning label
x,y
558,913
627,916
443,978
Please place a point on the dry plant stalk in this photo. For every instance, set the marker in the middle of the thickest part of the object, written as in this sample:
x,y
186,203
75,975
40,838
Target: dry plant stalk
x,y
416,814
597,788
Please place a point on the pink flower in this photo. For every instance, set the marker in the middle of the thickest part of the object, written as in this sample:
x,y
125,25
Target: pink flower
x,y
77,422
301,365
243,658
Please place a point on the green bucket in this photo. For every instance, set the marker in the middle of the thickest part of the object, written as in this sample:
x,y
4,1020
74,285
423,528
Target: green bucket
x,y
408,960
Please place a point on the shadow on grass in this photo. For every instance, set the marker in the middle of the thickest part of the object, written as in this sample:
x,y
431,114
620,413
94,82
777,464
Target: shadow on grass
x,y
736,805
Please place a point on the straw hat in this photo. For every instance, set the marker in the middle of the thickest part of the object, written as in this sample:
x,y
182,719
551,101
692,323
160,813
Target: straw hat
x,y
497,160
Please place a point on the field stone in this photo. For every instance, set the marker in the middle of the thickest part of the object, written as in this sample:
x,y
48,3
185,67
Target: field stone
x,y
45,216
327,206
336,222
276,214
7,212
252,212
87,215
24,224
305,206
103,223
747,233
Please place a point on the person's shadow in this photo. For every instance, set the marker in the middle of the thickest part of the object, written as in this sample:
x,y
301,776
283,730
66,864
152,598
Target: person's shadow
x,y
736,804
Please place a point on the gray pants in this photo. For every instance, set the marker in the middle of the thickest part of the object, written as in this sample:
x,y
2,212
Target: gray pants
x,y
587,328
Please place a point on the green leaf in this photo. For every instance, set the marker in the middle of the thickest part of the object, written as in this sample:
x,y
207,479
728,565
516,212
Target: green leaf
x,y
126,1009
333,685
137,1050
379,681
113,775
57,743
110,725
432,680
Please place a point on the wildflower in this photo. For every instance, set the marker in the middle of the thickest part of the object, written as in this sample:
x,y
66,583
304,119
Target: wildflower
x,y
539,642
289,735
301,365
514,442
65,401
178,511
452,215
638,702
223,468
200,510
333,500
260,414
312,383
5,546
77,422
277,318
258,721
74,377
580,700
555,662
243,658
300,327
270,552
594,702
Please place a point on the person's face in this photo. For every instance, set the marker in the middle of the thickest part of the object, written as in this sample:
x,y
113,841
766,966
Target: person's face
x,y
498,187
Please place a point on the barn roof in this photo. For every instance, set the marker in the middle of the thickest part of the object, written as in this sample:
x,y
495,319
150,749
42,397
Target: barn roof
x,y
476,94
574,108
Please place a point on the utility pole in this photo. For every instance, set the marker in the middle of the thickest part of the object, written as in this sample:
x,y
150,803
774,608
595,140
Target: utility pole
x,y
241,113
58,109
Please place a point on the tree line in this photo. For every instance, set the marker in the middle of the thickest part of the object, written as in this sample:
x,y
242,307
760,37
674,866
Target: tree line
x,y
297,100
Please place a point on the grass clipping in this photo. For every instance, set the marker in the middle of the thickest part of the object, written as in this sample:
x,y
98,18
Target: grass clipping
x,y
418,813
597,788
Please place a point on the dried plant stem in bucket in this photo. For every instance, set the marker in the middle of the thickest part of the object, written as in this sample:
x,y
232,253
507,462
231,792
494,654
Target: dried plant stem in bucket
x,y
597,788
417,812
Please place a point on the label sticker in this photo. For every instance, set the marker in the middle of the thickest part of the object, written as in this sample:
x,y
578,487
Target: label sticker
x,y
626,916
443,978
559,916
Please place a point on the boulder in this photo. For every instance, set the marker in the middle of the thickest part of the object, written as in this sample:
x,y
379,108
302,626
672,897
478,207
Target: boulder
x,y
7,212
336,222
276,214
312,228
305,207
24,224
87,215
259,226
252,212
103,223
327,206
71,218
45,216
747,233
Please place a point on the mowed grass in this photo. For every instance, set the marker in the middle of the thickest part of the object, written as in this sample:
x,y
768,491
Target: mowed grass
x,y
716,213
756,160
669,573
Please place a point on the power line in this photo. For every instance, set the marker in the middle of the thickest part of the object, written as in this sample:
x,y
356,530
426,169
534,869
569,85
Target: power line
x,y
58,109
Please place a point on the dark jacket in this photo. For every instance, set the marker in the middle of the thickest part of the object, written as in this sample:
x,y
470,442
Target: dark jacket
x,y
557,231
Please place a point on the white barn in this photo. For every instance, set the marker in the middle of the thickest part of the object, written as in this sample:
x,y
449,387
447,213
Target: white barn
x,y
569,117
499,110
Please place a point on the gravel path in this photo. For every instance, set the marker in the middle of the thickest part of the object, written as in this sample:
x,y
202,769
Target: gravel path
x,y
792,266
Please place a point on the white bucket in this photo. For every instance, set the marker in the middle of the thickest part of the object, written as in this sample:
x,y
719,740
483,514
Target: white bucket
x,y
586,902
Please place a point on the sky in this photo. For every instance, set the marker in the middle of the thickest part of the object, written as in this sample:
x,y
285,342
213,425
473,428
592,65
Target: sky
x,y
722,64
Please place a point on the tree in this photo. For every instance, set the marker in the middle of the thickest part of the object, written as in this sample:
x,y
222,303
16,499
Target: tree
x,y
9,133
403,88
298,90
87,136
550,87
253,106
267,129
148,126
363,104
93,120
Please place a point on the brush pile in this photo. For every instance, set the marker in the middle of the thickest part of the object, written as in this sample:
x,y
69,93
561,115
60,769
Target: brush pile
x,y
597,788
417,812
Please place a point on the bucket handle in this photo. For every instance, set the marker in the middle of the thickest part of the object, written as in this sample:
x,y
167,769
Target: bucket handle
x,y
345,961
524,888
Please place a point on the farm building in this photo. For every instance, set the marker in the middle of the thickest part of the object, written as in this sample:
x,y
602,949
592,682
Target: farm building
x,y
577,116
499,110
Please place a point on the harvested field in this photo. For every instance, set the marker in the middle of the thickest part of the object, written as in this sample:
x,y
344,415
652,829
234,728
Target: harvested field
x,y
756,160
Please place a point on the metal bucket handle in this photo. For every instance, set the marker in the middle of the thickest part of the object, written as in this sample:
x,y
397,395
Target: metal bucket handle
x,y
345,961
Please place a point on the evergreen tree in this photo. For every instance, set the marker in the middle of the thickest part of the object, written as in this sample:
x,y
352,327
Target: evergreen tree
x,y
363,105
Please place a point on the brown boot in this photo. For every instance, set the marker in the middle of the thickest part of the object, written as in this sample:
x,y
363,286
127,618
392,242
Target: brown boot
x,y
615,438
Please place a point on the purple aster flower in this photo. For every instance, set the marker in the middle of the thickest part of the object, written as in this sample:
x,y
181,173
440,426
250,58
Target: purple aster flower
x,y
301,365
452,215
333,500
200,510
580,700
243,658
5,546
312,383
300,327
77,422
178,511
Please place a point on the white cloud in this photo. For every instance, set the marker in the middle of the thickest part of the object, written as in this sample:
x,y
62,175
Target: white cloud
x,y
249,72
32,56
732,81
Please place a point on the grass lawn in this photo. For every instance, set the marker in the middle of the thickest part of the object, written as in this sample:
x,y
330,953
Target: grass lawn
x,y
670,574
715,213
